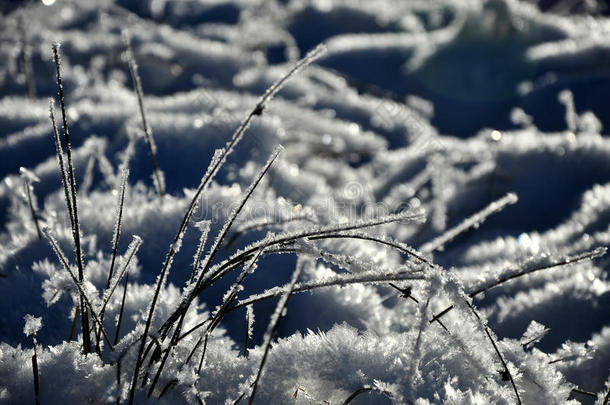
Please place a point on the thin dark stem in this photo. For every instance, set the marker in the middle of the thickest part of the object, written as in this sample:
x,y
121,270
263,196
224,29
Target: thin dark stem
x,y
72,180
582,392
193,329
154,358
205,346
26,60
330,231
35,372
118,223
64,262
129,255
567,260
160,368
337,281
405,292
197,258
150,142
131,252
62,165
436,318
28,193
533,340
240,231
118,324
567,358
495,346
366,388
272,329
590,255
239,398
118,382
390,243
190,356
470,222
247,334
166,389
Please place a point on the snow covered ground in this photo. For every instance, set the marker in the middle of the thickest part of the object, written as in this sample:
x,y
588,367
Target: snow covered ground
x,y
442,198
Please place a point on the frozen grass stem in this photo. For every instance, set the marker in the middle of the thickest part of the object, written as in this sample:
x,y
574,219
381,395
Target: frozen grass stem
x,y
150,142
72,181
272,328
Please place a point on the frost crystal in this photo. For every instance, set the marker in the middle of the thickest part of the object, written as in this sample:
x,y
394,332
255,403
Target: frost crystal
x,y
32,325
534,334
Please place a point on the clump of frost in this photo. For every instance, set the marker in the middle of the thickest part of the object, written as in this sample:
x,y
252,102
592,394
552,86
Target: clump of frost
x,y
32,325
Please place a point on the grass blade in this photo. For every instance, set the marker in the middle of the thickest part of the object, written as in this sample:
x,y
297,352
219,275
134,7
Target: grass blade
x,y
335,281
75,225
470,222
36,382
272,328
118,324
204,226
590,255
77,283
62,165
150,142
495,346
118,223
362,390
26,59
330,231
249,328
131,252
213,250
28,177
